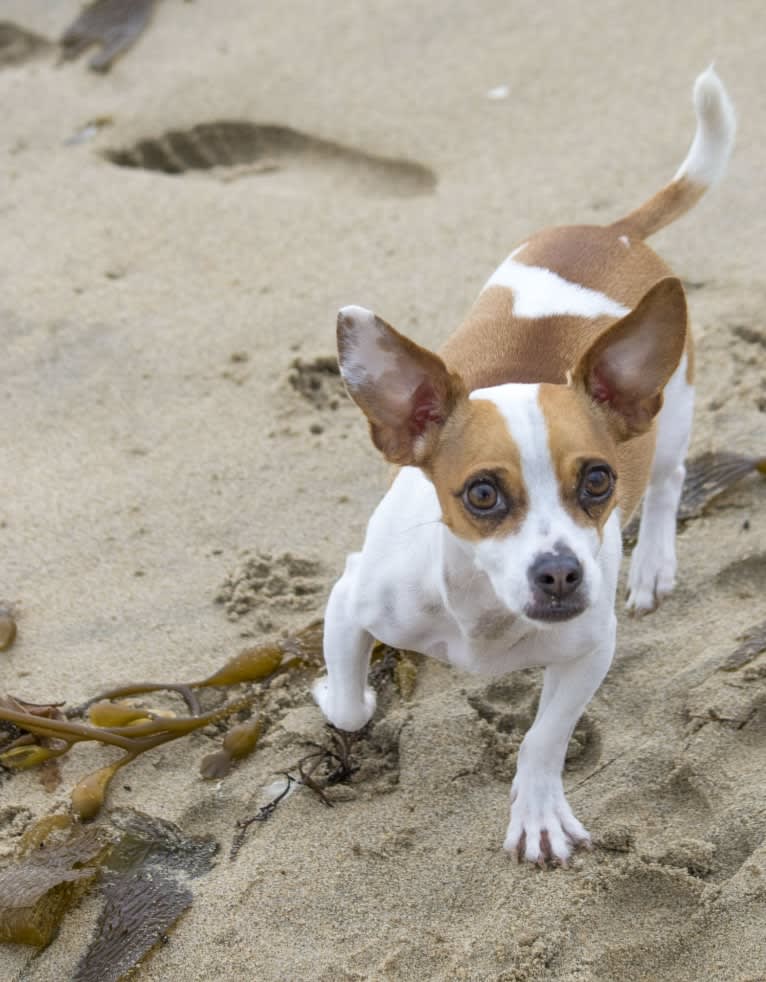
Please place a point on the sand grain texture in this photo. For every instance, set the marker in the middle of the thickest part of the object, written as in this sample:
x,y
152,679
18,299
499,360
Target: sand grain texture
x,y
150,325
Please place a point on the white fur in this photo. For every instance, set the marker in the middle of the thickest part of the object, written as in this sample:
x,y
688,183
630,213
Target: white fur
x,y
547,524
364,360
538,292
417,586
368,358
713,140
653,563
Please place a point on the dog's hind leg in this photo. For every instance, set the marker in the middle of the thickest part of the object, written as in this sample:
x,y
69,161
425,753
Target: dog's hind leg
x,y
653,564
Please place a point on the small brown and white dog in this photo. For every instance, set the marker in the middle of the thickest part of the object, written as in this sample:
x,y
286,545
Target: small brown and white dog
x,y
564,398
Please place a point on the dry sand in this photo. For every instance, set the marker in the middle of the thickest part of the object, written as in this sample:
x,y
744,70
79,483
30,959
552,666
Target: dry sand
x,y
140,458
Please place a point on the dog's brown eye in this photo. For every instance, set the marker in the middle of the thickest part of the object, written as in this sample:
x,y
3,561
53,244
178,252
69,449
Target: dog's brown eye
x,y
484,498
596,485
482,495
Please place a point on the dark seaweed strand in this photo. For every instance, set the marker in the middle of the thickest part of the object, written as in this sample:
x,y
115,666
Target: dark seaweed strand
x,y
263,814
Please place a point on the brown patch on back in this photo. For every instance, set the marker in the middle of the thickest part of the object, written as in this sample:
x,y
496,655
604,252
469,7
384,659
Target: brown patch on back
x,y
578,432
595,258
493,346
476,440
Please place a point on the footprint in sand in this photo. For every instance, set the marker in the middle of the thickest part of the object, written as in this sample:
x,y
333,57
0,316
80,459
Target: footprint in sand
x,y
507,709
291,159
319,382
18,45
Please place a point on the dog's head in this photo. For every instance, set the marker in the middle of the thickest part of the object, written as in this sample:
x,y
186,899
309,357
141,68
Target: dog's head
x,y
526,475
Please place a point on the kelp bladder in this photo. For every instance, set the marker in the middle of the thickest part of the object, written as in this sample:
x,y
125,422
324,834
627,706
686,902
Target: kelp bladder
x,y
38,733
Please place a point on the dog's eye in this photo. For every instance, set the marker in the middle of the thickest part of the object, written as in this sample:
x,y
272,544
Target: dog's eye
x,y
482,497
596,485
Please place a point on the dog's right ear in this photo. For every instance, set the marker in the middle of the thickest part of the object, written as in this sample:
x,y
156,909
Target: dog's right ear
x,y
629,365
405,391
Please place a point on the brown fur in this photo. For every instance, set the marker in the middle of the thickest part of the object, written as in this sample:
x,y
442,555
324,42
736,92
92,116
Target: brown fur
x,y
400,437
668,204
493,346
476,439
578,432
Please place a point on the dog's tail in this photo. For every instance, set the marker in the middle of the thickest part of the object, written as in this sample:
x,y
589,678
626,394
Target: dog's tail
x,y
704,165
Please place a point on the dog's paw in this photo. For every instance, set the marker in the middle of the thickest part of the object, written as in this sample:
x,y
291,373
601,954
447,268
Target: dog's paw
x,y
342,713
543,828
651,578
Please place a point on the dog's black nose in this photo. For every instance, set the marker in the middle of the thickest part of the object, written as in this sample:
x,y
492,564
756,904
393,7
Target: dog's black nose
x,y
557,574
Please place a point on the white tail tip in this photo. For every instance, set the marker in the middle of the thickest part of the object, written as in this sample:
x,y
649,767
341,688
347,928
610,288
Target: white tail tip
x,y
711,148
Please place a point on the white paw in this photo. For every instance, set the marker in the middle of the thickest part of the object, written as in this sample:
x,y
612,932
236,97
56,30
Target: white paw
x,y
341,712
542,827
652,577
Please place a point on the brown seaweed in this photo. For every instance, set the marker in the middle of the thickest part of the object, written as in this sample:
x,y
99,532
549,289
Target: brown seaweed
x,y
150,730
250,665
145,891
113,25
7,629
753,643
325,765
708,476
263,814
56,864
39,733
238,742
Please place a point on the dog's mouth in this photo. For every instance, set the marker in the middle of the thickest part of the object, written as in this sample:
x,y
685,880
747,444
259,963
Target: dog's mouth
x,y
552,611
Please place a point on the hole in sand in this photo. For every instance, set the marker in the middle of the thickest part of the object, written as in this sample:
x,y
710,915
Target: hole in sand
x,y
242,149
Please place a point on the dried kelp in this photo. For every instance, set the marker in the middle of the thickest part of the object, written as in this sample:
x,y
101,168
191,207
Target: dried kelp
x,y
263,814
708,476
7,629
753,643
41,732
145,890
88,796
325,765
238,742
113,25
56,864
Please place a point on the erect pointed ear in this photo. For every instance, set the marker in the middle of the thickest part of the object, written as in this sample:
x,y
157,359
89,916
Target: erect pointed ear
x,y
629,365
405,391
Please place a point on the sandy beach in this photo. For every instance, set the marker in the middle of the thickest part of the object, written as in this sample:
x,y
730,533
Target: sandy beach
x,y
169,410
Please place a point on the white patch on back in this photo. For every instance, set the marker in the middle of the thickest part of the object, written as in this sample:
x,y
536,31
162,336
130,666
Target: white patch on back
x,y
625,241
539,292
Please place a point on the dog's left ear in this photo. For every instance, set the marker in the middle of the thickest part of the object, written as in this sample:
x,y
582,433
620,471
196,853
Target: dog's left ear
x,y
627,368
405,391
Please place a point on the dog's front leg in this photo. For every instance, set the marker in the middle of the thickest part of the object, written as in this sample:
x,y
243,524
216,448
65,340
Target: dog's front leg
x,y
343,695
543,827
